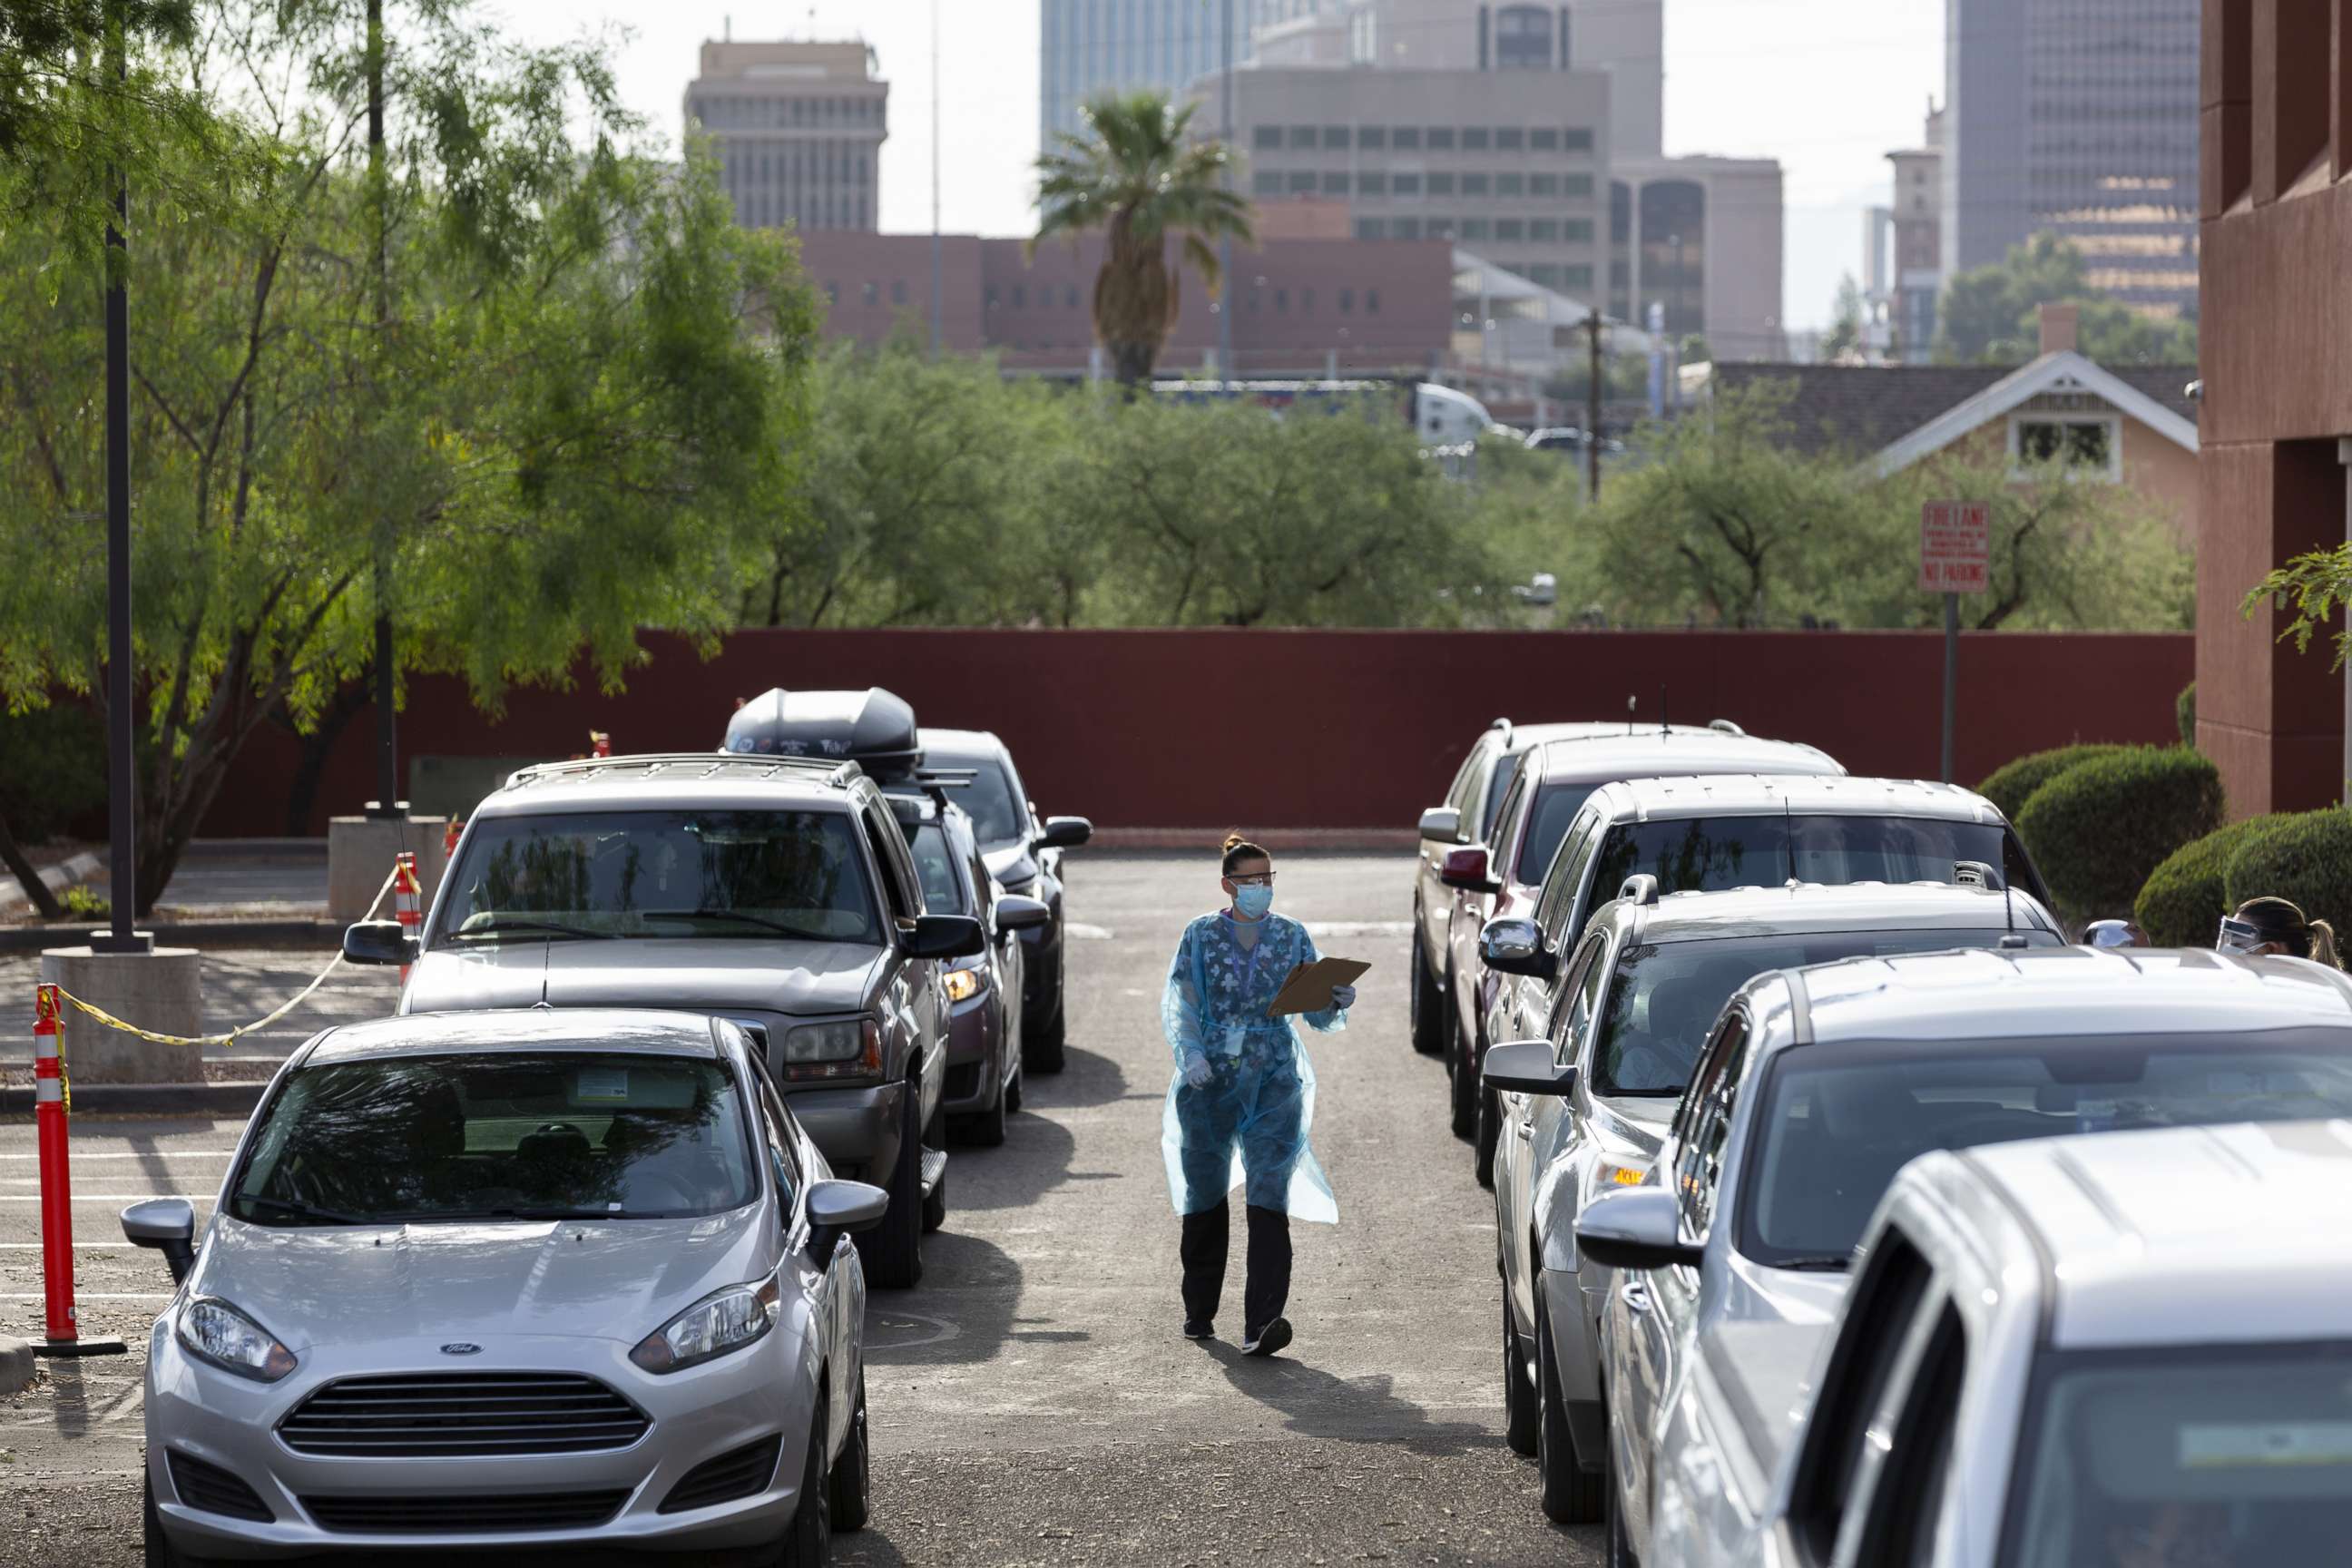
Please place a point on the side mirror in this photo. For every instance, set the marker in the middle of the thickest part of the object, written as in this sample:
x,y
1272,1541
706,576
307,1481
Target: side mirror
x,y
1526,1067
1467,868
945,936
1516,946
379,942
1064,833
1015,912
837,1208
1442,825
167,1225
1638,1228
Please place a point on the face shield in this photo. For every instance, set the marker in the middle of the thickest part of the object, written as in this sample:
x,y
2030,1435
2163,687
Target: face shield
x,y
2241,936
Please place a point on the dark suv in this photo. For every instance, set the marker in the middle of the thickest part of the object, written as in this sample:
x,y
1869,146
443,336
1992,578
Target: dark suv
x,y
776,890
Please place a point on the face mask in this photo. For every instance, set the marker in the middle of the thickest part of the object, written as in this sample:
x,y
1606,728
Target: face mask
x,y
1250,901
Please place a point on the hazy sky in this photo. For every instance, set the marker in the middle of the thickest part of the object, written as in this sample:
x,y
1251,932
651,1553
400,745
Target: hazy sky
x,y
1828,86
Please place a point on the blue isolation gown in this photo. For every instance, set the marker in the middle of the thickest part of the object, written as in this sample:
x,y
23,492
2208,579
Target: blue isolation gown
x,y
1247,1126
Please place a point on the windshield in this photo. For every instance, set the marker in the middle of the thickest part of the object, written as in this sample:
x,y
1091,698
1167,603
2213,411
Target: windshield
x,y
935,864
2217,1457
1555,810
996,811
1667,995
498,1135
761,874
1710,854
1837,1122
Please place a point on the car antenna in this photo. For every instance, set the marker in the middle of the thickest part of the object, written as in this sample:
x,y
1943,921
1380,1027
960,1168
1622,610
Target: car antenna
x,y
1663,728
546,963
1631,702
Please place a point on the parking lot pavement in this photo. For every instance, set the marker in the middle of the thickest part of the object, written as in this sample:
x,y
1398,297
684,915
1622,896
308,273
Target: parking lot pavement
x,y
239,988
1033,1401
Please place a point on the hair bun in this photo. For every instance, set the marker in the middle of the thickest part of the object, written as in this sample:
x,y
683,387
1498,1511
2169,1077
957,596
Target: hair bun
x,y
1233,841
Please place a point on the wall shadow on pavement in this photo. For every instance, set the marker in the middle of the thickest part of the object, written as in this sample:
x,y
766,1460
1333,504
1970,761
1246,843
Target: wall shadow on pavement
x,y
962,1311
1316,1404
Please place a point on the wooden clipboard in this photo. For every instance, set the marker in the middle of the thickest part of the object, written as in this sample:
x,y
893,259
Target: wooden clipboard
x,y
1308,989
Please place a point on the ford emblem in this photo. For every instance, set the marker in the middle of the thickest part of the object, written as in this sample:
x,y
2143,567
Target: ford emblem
x,y
461,1349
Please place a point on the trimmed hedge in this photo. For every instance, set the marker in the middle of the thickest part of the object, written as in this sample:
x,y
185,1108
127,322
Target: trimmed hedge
x,y
2102,826
2012,785
2305,858
2184,713
2183,902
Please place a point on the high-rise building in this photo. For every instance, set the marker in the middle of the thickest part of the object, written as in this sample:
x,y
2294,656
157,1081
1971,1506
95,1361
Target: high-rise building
x,y
1089,46
2077,117
1695,251
798,129
1913,276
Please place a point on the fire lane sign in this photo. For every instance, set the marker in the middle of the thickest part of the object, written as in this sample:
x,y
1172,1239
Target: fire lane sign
x,y
1955,546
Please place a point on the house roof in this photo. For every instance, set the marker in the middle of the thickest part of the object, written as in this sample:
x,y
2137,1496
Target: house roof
x,y
1898,414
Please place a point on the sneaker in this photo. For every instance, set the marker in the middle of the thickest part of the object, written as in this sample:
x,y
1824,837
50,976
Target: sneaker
x,y
1267,1339
1200,1329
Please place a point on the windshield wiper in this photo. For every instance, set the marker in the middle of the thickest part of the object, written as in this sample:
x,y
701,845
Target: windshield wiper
x,y
307,1211
1817,1263
496,926
739,918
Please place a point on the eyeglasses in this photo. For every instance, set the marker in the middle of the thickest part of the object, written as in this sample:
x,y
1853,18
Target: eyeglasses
x,y
1262,879
2241,936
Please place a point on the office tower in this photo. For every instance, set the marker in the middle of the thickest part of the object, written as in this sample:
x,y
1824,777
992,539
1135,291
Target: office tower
x,y
1089,47
2078,116
798,131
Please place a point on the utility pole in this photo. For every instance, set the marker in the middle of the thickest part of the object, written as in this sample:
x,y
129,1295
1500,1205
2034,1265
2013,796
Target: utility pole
x,y
122,780
387,802
1225,243
1592,410
937,287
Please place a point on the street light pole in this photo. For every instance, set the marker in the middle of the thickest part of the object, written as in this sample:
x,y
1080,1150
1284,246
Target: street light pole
x,y
122,784
1225,243
1592,409
936,285
387,802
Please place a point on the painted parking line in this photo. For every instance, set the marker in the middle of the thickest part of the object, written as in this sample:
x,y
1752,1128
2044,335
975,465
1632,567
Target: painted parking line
x,y
1358,928
1085,932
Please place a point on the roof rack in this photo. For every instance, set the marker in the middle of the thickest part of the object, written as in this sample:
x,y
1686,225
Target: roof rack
x,y
1639,889
1725,727
689,764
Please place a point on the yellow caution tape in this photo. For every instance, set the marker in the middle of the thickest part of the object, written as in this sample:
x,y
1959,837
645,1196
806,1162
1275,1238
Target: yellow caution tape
x,y
111,1021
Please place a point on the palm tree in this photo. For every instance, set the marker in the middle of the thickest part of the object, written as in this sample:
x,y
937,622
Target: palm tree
x,y
1136,176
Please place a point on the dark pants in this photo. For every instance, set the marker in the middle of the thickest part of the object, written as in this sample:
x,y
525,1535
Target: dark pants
x,y
1203,1251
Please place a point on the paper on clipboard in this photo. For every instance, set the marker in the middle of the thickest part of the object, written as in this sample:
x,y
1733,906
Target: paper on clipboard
x,y
1308,989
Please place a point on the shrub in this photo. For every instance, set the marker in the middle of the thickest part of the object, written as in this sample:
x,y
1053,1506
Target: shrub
x,y
2181,904
2100,826
2305,858
2184,713
2011,786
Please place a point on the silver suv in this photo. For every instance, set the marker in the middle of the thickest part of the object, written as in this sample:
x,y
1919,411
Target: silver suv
x,y
776,892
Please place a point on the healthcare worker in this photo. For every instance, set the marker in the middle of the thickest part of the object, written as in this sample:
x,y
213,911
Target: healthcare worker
x,y
2269,925
1241,1099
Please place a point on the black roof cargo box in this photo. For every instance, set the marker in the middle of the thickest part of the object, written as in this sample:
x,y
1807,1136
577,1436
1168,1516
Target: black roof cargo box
x,y
874,728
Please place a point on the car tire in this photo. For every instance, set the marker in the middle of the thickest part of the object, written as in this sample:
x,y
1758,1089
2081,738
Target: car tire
x,y
1520,1410
159,1550
1572,1495
985,1128
893,1250
847,1486
1043,1052
1013,1089
1489,1133
935,1206
808,1540
1428,1005
1465,1091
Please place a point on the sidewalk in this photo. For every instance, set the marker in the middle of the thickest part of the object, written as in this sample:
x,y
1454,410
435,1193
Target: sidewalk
x,y
233,892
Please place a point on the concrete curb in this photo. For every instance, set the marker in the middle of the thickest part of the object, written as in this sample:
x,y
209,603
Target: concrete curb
x,y
268,935
16,1365
146,1099
57,878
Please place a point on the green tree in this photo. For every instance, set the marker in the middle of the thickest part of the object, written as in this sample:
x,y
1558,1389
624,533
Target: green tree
x,y
1844,336
1992,314
2313,588
578,425
1141,179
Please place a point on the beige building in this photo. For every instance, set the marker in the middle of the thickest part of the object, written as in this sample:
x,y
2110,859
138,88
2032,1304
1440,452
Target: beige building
x,y
798,131
1695,248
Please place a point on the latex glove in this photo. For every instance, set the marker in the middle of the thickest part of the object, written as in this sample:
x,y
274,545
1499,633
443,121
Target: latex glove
x,y
1196,1071
1342,998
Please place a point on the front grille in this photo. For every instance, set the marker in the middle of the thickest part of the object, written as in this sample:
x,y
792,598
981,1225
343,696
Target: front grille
x,y
214,1489
738,1473
442,1514
461,1415
964,1080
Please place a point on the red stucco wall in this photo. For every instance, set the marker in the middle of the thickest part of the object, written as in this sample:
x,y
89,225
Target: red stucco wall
x,y
1302,728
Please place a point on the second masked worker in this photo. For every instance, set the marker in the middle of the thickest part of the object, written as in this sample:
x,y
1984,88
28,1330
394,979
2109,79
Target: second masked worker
x,y
1241,1099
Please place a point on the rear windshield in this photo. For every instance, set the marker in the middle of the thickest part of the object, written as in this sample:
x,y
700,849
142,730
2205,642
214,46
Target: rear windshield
x,y
662,874
1710,854
1667,995
1838,1121
1548,824
2189,1454
498,1135
996,811
935,864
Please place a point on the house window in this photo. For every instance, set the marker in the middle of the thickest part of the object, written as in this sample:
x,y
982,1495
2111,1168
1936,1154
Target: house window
x,y
1372,182
1576,230
1302,136
1543,230
1474,184
1441,139
1019,296
1507,138
1577,186
1367,228
1334,136
1302,181
1523,39
1371,301
1576,278
1282,302
1543,184
1473,139
1441,183
1404,184
1473,228
1266,183
1347,302
1576,139
1372,138
1543,139
1509,228
1406,138
1509,184
1335,182
1404,228
2087,446
1265,137
897,290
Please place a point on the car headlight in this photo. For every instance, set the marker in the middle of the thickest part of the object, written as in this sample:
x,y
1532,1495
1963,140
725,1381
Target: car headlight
x,y
727,1321
964,984
844,1047
212,1331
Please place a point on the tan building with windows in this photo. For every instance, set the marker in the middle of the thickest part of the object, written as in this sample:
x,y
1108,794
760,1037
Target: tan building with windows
x,y
798,129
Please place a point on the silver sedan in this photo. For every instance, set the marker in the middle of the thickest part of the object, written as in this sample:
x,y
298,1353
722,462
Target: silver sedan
x,y
513,1280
